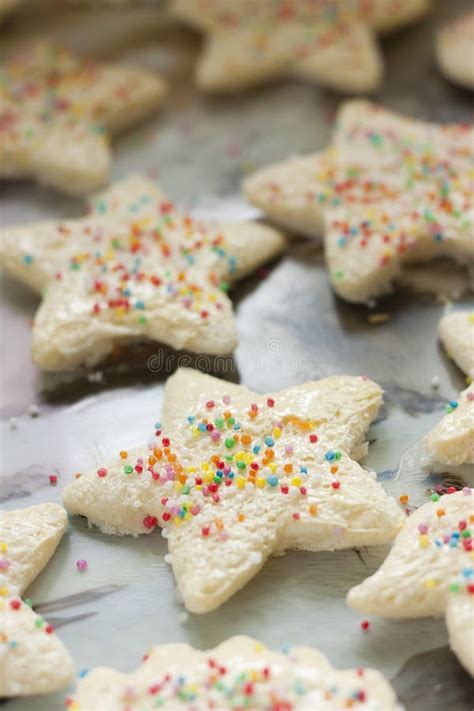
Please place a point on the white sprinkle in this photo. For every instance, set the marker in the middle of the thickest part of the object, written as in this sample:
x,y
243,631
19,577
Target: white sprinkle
x,y
435,382
168,559
183,617
33,410
13,423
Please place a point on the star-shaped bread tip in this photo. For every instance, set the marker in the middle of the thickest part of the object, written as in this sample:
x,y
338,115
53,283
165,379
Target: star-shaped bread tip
x,y
56,112
250,43
456,333
390,190
452,440
235,477
134,269
239,673
429,572
32,658
455,50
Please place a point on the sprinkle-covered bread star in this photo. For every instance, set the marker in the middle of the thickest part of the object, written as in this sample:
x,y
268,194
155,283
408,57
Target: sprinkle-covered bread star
x,y
452,440
30,537
240,673
456,333
134,269
249,43
56,111
389,190
429,572
455,50
32,658
235,477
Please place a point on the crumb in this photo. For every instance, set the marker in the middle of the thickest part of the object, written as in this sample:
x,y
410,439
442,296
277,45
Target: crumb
x,y
375,319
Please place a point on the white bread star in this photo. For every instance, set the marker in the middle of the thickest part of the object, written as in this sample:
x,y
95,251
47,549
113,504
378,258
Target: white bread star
x,y
452,440
239,673
250,43
456,333
429,572
236,477
56,111
134,269
390,190
455,50
32,658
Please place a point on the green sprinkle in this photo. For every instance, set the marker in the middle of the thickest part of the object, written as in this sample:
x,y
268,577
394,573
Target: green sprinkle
x,y
128,469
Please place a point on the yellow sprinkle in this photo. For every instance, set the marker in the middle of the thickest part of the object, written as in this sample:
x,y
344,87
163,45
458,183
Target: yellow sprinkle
x,y
424,540
4,591
3,547
296,481
240,482
260,482
276,432
431,583
177,521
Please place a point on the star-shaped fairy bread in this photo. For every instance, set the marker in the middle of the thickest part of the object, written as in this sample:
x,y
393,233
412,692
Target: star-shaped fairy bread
x,y
389,190
133,269
235,477
455,50
239,673
452,440
56,112
330,42
456,333
429,572
32,658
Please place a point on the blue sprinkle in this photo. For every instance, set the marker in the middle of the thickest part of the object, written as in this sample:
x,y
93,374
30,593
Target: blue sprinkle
x,y
27,259
272,480
330,456
269,441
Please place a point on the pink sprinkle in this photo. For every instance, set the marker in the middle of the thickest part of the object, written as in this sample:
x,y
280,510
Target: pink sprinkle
x,y
226,399
4,563
470,397
53,479
423,527
102,472
81,564
467,491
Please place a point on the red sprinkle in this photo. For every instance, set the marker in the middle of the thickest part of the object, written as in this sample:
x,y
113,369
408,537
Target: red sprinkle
x,y
150,521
